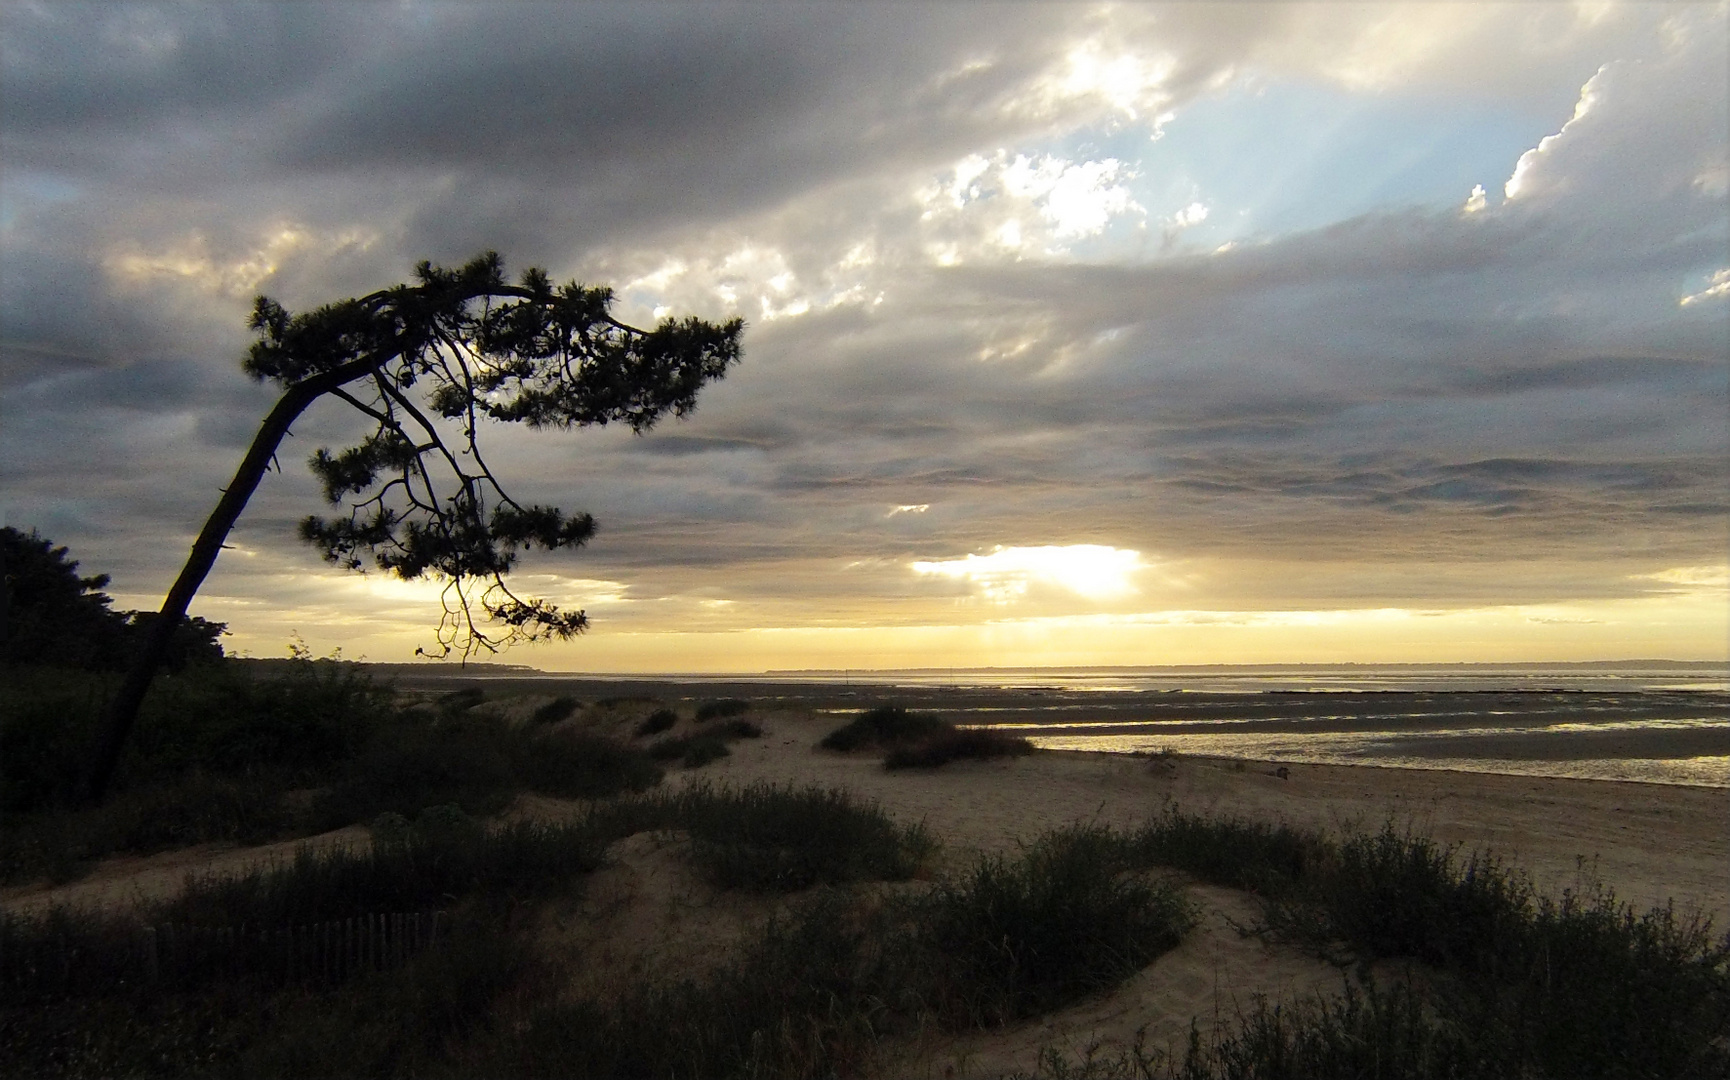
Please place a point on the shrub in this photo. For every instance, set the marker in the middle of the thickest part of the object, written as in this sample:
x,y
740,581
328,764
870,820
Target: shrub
x,y
883,726
1578,987
956,744
777,838
656,722
699,749
461,700
477,763
738,729
560,708
579,765
1232,851
1014,938
716,710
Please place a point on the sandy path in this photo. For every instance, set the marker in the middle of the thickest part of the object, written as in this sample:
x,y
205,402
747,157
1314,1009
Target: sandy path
x,y
138,879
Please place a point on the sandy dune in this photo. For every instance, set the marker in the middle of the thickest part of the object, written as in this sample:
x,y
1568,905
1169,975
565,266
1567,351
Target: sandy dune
x,y
646,913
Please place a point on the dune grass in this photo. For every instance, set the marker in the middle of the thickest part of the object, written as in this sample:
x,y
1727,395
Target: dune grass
x,y
560,708
1507,983
1511,983
223,753
956,744
911,740
1016,937
818,989
880,728
767,837
656,722
705,745
720,710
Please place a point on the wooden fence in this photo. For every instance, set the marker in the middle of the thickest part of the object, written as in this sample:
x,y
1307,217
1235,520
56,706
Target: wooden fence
x,y
36,960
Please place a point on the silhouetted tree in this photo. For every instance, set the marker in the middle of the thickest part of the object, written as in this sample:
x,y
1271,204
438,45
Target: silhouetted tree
x,y
427,363
52,617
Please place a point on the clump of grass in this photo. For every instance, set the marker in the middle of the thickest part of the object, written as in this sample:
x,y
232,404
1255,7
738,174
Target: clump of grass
x,y
656,722
717,710
560,708
700,748
618,700
441,855
1258,856
883,727
1366,1032
768,837
478,763
808,997
214,751
462,700
814,993
1015,938
1582,986
956,744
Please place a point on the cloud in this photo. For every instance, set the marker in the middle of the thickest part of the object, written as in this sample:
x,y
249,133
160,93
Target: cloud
x,y
988,312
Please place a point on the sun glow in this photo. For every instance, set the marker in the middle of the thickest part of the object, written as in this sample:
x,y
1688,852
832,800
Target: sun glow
x,y
1006,573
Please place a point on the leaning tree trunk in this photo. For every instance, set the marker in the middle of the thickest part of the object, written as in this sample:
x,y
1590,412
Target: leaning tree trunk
x,y
122,711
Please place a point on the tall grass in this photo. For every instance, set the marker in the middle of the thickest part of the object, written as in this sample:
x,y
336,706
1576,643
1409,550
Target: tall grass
x,y
818,989
769,837
720,710
1013,938
882,727
478,763
1580,986
956,744
703,746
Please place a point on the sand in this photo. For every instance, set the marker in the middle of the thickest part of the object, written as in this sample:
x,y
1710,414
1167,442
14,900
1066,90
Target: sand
x,y
1651,844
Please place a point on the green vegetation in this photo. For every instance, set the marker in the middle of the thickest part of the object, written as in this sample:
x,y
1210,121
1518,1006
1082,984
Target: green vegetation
x,y
913,740
882,727
240,753
719,710
560,708
704,746
656,722
1015,938
769,838
956,744
1508,982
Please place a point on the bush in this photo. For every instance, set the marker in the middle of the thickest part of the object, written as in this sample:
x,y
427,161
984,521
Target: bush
x,y
777,838
656,722
883,726
699,749
462,700
479,764
1234,852
1015,938
716,710
560,708
578,765
1577,987
956,744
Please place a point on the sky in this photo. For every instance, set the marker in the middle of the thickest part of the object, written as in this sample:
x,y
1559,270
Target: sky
x,y
1076,334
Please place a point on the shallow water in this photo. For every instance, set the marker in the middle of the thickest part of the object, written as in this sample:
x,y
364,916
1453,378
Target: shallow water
x,y
1657,722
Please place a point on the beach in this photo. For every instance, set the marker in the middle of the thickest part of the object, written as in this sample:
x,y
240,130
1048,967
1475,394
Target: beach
x,y
1652,844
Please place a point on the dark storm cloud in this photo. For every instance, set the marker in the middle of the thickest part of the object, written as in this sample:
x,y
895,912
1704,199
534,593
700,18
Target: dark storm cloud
x,y
1405,384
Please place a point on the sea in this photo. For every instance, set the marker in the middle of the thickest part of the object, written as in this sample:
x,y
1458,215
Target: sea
x,y
1665,722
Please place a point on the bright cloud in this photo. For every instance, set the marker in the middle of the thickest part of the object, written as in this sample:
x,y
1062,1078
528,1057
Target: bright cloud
x,y
1718,287
1090,570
